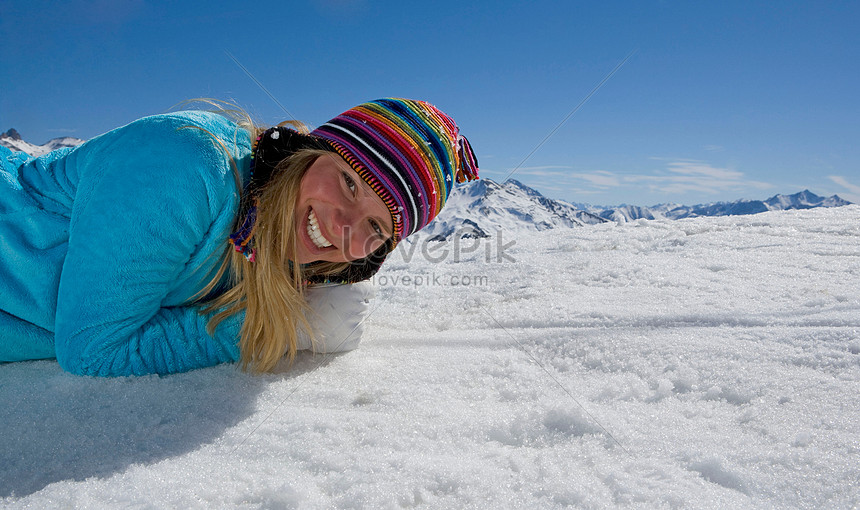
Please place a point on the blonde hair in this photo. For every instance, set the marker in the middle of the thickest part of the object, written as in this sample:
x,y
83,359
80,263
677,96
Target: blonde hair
x,y
270,289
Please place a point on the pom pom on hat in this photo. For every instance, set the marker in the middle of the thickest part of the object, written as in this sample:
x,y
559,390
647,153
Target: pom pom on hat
x,y
409,152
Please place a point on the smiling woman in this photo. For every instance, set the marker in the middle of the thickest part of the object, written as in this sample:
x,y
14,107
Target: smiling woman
x,y
118,256
343,219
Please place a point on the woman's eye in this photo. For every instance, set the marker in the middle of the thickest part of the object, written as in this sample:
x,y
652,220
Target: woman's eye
x,y
349,182
376,228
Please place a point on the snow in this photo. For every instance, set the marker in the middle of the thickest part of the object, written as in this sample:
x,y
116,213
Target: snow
x,y
697,363
16,144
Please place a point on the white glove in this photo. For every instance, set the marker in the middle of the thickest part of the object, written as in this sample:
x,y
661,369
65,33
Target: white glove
x,y
336,315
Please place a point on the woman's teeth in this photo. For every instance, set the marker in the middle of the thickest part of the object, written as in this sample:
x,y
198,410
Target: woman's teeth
x,y
314,232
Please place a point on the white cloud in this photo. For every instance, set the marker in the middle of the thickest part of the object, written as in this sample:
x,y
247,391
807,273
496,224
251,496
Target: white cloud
x,y
544,171
853,190
676,176
562,174
701,169
528,169
686,175
599,179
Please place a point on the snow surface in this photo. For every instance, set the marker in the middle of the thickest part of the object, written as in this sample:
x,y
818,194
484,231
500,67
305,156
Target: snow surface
x,y
700,363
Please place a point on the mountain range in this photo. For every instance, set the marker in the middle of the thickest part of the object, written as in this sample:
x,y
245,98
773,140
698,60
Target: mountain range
x,y
12,140
802,200
482,207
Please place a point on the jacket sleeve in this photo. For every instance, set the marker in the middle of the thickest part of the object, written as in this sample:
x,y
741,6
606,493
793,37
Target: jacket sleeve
x,y
145,200
337,315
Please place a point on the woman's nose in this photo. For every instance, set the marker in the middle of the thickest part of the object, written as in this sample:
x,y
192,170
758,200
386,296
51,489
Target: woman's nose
x,y
345,223
342,220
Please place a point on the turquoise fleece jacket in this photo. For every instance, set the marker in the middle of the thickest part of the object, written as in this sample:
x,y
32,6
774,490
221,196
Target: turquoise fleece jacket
x,y
102,244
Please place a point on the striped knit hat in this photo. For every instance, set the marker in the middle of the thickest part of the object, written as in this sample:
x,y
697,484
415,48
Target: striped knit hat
x,y
408,151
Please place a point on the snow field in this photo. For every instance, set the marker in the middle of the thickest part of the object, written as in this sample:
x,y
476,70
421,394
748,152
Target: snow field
x,y
700,363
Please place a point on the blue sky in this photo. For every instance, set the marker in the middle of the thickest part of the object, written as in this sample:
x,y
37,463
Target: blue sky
x,y
719,100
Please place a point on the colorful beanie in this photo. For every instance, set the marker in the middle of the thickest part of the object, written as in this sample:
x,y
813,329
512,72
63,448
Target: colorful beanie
x,y
408,151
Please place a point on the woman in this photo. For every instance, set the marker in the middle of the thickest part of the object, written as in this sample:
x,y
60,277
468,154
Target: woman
x,y
186,240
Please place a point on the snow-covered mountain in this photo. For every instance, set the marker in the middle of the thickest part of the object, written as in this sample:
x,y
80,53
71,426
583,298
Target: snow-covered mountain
x,y
482,207
13,140
479,208
802,200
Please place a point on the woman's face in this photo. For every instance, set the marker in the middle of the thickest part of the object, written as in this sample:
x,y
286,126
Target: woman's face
x,y
339,217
